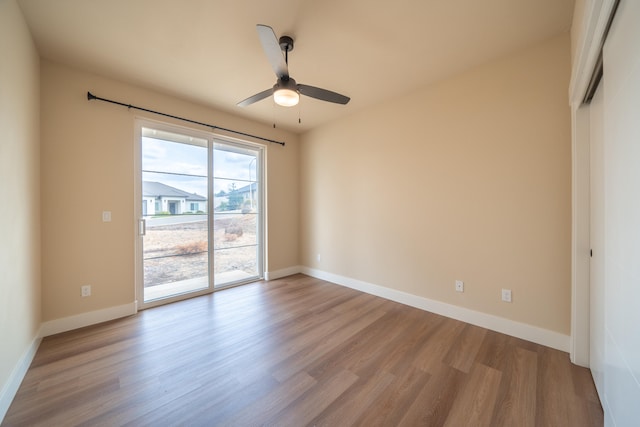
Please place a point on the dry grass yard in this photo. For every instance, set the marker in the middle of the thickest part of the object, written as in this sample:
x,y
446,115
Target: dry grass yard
x,y
177,252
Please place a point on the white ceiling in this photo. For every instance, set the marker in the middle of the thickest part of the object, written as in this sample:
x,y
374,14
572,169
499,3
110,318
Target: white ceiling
x,y
208,51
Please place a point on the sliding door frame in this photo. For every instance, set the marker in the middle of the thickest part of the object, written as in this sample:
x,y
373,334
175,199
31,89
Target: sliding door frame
x,y
212,138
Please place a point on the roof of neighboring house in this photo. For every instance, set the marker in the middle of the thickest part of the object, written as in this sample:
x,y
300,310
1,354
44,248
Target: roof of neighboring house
x,y
158,189
247,188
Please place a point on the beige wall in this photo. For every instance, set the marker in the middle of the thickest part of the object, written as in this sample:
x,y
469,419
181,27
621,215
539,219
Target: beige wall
x,y
468,179
19,190
88,167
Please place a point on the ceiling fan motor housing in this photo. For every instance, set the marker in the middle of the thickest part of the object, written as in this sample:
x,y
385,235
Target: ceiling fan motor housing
x,y
286,43
286,83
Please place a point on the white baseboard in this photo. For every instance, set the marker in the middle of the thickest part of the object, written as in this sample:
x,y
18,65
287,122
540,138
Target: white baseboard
x,y
499,324
86,319
277,274
12,385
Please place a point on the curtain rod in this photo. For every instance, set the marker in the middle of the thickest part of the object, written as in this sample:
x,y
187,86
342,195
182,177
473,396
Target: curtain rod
x,y
91,96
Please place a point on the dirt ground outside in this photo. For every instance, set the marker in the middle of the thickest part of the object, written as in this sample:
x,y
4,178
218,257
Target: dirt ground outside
x,y
177,252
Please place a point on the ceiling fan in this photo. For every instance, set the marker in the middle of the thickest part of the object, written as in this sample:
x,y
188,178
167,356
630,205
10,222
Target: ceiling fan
x,y
286,91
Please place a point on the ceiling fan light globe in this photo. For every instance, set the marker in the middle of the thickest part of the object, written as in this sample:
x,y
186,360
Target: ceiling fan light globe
x,y
286,97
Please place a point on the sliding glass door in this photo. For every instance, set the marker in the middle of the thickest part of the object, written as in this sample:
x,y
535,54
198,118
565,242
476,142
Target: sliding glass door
x,y
200,211
237,213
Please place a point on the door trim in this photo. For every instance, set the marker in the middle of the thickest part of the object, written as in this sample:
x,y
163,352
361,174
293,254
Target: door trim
x,y
590,30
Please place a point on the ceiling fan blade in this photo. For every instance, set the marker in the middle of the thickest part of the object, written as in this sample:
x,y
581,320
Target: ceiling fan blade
x,y
272,49
323,94
255,98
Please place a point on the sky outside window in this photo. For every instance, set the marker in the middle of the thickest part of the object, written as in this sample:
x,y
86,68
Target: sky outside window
x,y
182,164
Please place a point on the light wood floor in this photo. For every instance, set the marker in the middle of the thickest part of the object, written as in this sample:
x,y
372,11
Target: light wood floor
x,y
293,352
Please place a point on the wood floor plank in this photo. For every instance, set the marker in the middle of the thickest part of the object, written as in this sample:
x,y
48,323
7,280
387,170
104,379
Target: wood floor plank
x,y
495,350
433,351
557,403
298,351
362,347
474,405
206,408
62,407
311,353
355,401
433,403
553,381
463,351
274,402
583,384
398,353
314,401
516,402
390,407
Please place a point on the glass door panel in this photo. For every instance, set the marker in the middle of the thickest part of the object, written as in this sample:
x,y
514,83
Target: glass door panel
x,y
175,242
237,214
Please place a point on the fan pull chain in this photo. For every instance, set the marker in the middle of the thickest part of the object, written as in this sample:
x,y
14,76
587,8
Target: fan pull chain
x,y
274,113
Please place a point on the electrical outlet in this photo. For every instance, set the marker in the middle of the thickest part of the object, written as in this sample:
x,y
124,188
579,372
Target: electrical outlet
x,y
459,286
506,295
85,290
106,216
319,257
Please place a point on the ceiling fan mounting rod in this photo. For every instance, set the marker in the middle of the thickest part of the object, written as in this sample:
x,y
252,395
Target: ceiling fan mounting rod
x,y
286,45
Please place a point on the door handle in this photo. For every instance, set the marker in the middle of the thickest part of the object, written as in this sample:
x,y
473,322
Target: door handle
x,y
142,227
